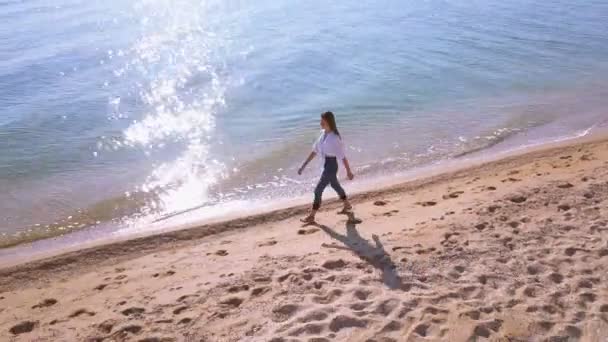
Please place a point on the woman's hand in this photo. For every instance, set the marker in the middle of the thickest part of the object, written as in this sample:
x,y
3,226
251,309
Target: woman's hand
x,y
310,157
349,173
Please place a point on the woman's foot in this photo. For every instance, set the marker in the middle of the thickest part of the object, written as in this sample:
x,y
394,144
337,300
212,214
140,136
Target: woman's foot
x,y
308,219
347,208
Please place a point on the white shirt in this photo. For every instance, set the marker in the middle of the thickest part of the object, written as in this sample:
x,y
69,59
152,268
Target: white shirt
x,y
329,145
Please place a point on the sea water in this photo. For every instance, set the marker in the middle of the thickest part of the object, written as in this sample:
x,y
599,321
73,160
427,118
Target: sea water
x,y
118,114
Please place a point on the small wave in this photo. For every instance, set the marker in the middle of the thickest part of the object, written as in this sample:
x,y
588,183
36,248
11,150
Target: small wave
x,y
103,212
519,123
481,143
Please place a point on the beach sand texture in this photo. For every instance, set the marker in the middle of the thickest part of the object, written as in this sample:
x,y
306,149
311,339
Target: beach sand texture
x,y
514,250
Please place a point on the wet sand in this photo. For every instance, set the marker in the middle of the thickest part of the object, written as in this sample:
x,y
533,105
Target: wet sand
x,y
513,250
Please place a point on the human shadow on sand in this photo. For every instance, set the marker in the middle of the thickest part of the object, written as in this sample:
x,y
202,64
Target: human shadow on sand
x,y
374,254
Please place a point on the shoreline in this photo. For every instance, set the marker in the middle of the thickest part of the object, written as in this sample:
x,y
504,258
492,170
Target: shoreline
x,y
86,227
513,249
183,234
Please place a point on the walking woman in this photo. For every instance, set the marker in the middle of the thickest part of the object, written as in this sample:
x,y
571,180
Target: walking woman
x,y
330,147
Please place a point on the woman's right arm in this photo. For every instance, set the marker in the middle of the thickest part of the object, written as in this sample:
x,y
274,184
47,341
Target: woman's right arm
x,y
311,156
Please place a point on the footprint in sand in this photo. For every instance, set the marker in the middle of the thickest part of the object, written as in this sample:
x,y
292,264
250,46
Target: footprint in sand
x,y
472,314
184,297
308,329
233,302
166,274
267,243
571,332
493,208
388,213
513,224
23,327
531,291
261,279
360,306
421,329
107,326
157,339
238,288
81,312
344,322
427,203
100,287
380,203
131,329
308,231
585,284
179,310
284,312
556,278
258,291
164,321
391,326
534,269
184,321
386,307
518,199
362,294
481,226
454,194
329,297
485,329
334,264
45,303
587,297
133,311
315,315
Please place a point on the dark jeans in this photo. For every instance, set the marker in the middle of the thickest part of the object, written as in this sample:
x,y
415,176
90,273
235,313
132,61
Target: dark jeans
x,y
328,177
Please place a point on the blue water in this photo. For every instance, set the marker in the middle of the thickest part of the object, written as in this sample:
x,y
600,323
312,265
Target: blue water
x,y
125,112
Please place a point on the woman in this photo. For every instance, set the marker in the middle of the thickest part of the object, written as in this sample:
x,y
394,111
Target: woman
x,y
330,147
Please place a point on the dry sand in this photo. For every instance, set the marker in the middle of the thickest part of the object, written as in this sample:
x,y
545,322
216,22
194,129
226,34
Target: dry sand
x,y
515,250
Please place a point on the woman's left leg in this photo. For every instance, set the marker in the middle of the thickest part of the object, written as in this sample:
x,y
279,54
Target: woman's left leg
x,y
335,184
316,204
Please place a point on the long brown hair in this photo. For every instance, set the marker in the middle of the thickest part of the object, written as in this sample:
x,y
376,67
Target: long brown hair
x,y
331,121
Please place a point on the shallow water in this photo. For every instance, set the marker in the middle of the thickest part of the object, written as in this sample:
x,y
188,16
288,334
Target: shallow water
x,y
124,113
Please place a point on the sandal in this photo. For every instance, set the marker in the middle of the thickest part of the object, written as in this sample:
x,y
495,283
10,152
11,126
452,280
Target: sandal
x,y
346,209
308,219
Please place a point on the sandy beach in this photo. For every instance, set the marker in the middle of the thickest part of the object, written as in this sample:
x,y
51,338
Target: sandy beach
x,y
513,250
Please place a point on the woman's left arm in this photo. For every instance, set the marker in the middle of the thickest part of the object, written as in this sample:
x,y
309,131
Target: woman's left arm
x,y
349,173
342,155
311,156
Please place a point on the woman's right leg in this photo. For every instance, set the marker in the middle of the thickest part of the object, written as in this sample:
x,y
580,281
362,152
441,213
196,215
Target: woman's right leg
x,y
335,184
323,182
